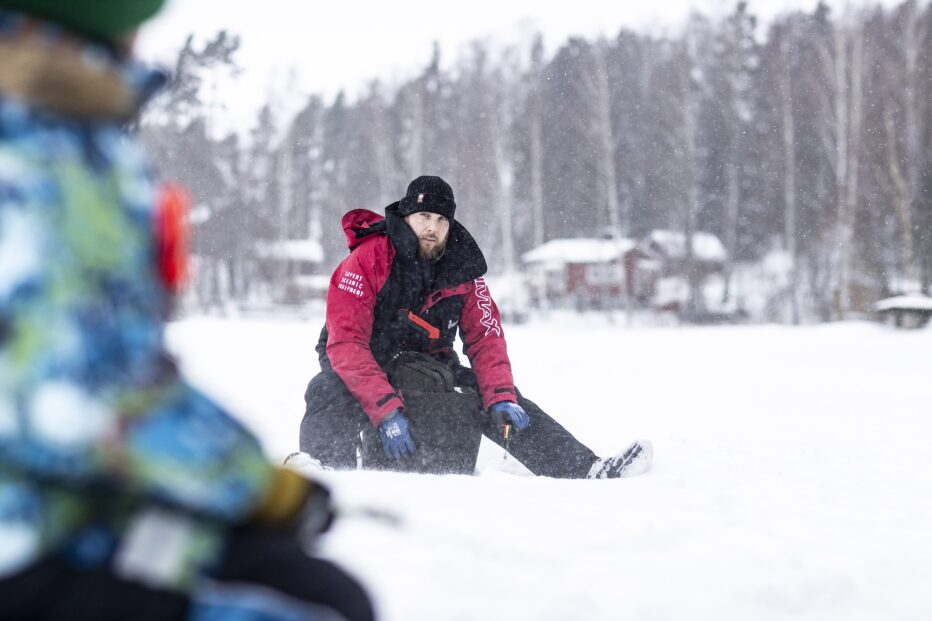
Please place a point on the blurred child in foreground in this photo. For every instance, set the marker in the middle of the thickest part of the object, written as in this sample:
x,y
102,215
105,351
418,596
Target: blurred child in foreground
x,y
124,492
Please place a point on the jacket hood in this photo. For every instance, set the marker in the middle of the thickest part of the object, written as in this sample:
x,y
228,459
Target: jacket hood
x,y
359,224
65,75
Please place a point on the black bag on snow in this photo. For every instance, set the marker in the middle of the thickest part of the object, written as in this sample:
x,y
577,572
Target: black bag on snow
x,y
446,428
445,420
444,413
413,371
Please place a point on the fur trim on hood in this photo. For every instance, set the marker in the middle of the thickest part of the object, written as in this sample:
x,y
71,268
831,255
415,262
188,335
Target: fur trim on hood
x,y
70,78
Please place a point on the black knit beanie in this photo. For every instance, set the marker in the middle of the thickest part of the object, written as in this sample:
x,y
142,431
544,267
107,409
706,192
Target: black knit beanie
x,y
428,193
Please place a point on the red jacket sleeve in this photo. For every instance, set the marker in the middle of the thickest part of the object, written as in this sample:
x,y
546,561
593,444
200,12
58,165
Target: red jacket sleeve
x,y
484,340
350,313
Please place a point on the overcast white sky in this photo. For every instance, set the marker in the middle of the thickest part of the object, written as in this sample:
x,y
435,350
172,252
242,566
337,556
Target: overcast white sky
x,y
323,46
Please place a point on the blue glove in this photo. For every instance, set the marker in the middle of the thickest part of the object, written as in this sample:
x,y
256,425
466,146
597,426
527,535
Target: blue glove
x,y
510,413
396,441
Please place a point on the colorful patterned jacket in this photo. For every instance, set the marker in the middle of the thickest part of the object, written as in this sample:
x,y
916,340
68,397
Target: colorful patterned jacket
x,y
95,423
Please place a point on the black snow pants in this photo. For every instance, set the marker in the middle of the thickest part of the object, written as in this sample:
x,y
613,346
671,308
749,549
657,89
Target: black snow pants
x,y
335,427
256,562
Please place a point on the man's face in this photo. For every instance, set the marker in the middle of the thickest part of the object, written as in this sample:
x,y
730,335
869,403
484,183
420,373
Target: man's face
x,y
431,230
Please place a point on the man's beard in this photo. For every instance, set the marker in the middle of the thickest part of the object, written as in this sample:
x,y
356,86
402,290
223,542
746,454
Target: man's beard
x,y
433,253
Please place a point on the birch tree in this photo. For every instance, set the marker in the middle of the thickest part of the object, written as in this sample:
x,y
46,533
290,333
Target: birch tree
x,y
788,135
904,125
597,123
735,62
536,146
841,63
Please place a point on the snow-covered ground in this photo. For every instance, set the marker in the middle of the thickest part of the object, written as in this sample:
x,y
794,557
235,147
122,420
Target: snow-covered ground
x,y
792,475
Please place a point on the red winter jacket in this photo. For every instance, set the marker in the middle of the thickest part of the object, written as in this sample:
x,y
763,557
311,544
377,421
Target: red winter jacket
x,y
384,301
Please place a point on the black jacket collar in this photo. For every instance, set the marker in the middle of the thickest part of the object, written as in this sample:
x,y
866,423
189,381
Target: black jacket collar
x,y
462,261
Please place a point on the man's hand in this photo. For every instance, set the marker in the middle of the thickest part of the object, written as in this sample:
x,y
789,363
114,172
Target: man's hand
x,y
295,505
510,413
396,441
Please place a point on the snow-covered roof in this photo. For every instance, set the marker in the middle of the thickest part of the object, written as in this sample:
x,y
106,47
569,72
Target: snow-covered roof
x,y
308,250
581,250
905,302
706,246
199,214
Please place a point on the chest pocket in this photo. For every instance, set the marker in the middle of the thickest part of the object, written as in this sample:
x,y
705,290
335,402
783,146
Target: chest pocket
x,y
407,320
435,326
445,315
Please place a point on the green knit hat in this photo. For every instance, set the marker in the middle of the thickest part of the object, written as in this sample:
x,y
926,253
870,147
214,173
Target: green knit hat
x,y
101,19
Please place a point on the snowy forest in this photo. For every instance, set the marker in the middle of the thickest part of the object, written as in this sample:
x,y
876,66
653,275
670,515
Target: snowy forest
x,y
808,138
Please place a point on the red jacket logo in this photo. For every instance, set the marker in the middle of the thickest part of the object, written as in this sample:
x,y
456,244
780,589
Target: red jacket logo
x,y
351,283
485,305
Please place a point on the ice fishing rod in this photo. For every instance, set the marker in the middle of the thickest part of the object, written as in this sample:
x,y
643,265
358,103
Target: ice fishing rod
x,y
506,434
388,518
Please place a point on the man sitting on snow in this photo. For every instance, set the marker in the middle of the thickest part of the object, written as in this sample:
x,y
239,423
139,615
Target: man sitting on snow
x,y
412,279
